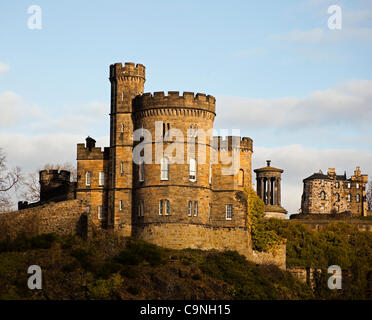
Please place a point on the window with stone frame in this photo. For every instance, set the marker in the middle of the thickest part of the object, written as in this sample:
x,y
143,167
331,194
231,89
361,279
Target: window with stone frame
x,y
141,172
140,209
349,185
195,208
241,178
337,184
322,195
100,212
358,197
164,169
192,173
164,207
357,185
120,205
189,208
337,197
88,178
348,197
101,180
229,211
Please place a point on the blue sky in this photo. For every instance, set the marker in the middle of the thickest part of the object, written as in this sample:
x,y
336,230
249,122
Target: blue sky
x,y
278,73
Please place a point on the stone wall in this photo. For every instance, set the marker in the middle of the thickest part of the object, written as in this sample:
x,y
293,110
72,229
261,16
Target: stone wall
x,y
66,217
194,236
276,256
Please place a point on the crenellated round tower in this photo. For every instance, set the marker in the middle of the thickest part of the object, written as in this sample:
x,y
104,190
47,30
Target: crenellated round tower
x,y
54,185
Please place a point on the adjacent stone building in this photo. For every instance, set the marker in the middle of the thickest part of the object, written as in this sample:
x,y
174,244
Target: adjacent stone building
x,y
332,193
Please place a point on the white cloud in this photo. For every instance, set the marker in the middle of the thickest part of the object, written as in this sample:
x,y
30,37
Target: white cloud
x,y
4,67
348,104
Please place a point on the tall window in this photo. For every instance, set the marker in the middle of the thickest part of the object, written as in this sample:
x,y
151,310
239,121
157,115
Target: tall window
x,y
121,205
337,184
101,179
141,172
349,197
88,178
357,186
210,174
241,178
195,208
348,185
337,197
228,212
192,175
140,209
164,207
121,167
100,212
88,209
358,197
322,183
322,207
122,96
164,169
322,195
122,128
189,209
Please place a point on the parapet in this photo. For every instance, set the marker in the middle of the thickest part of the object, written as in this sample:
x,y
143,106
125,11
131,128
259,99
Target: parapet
x,y
93,153
188,100
130,69
47,176
245,144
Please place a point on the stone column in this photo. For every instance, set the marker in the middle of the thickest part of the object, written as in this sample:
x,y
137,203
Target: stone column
x,y
269,191
278,192
262,185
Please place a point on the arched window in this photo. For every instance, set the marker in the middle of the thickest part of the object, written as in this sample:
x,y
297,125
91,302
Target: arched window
x,y
358,197
337,197
164,168
140,209
241,178
322,195
349,197
192,175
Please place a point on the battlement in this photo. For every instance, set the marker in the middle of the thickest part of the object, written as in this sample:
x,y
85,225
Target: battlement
x,y
188,100
233,142
47,176
130,69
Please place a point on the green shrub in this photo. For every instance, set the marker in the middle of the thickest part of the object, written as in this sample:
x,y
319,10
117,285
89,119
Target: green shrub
x,y
104,289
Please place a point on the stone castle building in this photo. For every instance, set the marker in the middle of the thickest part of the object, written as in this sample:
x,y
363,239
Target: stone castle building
x,y
269,190
189,204
332,193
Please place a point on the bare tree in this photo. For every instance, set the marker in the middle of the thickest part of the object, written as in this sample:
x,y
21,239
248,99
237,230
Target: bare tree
x,y
31,185
9,181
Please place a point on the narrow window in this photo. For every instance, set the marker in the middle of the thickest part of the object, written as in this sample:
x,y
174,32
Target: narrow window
x,y
337,184
357,186
348,185
141,172
121,167
241,178
210,174
322,207
161,207
167,207
121,205
122,96
322,183
140,209
88,209
101,179
122,128
88,178
163,129
192,174
349,197
189,211
337,197
195,208
228,212
195,131
168,129
358,197
322,195
100,212
164,169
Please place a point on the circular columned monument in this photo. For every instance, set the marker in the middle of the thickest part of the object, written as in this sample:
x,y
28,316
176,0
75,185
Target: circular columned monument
x,y
269,190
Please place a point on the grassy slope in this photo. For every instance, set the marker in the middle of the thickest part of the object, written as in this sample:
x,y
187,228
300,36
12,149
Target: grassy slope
x,y
122,268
